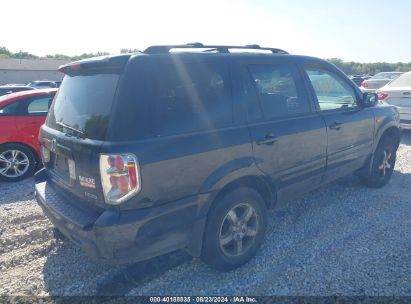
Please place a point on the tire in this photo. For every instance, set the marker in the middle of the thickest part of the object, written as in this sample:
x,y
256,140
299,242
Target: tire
x,y
383,163
227,226
16,162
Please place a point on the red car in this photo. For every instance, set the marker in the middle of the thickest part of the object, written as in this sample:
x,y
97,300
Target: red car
x,y
21,115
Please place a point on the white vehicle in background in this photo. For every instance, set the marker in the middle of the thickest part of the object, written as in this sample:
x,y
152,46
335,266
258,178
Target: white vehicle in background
x,y
398,93
377,81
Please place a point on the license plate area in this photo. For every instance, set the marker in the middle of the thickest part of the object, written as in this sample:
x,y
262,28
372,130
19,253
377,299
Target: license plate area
x,y
61,164
63,168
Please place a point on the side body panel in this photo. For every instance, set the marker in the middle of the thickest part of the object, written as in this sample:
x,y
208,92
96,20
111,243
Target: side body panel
x,y
295,159
350,132
350,146
179,166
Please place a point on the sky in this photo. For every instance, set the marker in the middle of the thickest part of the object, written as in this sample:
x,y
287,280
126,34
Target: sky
x,y
353,30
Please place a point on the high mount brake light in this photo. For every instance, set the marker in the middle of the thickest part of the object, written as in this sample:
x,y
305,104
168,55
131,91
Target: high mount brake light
x,y
74,65
120,177
70,67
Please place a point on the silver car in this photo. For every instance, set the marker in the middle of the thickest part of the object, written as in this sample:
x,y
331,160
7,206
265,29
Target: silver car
x,y
378,80
398,93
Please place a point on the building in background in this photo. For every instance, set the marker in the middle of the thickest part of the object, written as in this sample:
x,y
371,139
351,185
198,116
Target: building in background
x,y
26,70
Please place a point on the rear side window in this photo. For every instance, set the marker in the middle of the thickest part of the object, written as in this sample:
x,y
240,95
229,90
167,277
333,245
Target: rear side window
x,y
176,97
277,90
194,98
39,105
9,110
83,103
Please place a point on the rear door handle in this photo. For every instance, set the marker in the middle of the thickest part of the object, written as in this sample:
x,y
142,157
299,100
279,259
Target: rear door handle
x,y
268,139
336,126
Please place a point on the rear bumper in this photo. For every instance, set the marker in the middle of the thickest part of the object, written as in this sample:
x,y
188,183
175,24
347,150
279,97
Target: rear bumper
x,y
125,236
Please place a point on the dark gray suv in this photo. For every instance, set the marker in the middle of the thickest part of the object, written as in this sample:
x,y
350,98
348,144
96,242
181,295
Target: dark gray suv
x,y
186,147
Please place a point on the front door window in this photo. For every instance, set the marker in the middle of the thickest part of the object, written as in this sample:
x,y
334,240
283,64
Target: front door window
x,y
333,93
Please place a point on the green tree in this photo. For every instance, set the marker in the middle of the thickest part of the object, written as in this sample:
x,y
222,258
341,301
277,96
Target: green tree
x,y
354,68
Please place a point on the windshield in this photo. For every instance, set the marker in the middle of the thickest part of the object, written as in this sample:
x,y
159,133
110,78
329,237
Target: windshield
x,y
83,104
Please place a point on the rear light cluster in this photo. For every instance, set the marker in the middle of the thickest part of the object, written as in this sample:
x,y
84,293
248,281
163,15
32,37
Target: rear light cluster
x,y
382,95
120,177
364,84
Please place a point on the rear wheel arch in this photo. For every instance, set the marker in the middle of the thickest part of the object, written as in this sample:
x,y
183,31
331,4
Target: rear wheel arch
x,y
235,229
257,183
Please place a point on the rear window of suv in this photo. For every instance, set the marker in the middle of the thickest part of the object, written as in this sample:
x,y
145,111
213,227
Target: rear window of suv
x,y
174,97
83,104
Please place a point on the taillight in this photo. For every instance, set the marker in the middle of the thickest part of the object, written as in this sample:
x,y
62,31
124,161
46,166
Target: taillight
x,y
120,177
382,95
364,84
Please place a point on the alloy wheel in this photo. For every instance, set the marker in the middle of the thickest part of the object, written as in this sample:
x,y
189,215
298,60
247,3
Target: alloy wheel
x,y
238,230
385,165
13,163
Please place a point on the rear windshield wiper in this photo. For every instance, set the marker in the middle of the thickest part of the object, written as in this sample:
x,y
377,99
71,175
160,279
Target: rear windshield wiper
x,y
63,125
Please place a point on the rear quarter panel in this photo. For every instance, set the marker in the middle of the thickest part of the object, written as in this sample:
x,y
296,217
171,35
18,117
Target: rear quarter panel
x,y
10,133
175,167
27,128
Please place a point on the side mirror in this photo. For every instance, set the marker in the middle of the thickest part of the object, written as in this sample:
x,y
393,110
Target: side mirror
x,y
369,99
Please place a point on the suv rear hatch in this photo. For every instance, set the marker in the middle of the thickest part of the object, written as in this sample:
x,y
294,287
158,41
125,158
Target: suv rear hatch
x,y
76,126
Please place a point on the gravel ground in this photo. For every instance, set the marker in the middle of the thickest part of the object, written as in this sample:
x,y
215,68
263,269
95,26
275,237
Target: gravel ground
x,y
343,239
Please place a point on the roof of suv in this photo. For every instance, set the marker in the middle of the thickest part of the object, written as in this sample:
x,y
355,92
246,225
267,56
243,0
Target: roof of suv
x,y
186,50
161,49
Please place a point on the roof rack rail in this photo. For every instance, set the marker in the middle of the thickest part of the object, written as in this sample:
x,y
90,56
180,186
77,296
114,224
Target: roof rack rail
x,y
161,49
